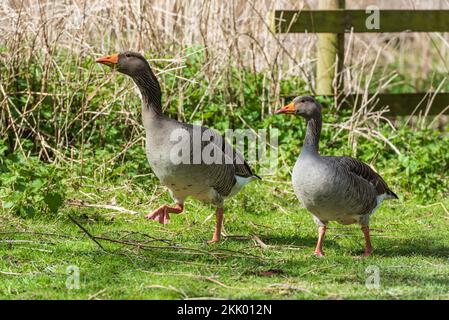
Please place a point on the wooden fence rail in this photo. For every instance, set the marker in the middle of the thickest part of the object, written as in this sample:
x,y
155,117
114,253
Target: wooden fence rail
x,y
341,21
331,25
399,104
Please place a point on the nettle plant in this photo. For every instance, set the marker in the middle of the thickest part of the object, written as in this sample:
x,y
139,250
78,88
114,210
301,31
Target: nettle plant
x,y
28,186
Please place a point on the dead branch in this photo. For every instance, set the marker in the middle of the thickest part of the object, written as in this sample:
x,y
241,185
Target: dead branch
x,y
86,232
82,203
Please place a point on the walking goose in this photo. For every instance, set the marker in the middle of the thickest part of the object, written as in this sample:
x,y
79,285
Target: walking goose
x,y
340,189
176,150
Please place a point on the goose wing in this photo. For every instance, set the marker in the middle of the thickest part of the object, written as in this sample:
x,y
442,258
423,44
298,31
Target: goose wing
x,y
232,163
241,167
366,172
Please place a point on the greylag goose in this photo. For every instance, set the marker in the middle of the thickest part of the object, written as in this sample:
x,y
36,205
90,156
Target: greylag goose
x,y
210,181
341,189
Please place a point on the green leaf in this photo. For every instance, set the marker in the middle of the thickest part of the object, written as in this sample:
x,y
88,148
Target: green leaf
x,y
37,184
8,205
28,211
54,201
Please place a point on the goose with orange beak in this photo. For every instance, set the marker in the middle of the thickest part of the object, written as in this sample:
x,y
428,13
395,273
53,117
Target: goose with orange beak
x,y
210,182
341,189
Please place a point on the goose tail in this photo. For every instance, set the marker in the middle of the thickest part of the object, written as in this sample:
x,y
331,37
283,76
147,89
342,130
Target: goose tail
x,y
391,194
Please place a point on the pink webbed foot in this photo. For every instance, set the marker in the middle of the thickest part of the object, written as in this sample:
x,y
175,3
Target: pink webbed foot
x,y
162,214
212,241
319,253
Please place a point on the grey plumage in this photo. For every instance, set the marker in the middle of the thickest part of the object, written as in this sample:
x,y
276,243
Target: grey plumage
x,y
343,189
340,189
209,182
366,172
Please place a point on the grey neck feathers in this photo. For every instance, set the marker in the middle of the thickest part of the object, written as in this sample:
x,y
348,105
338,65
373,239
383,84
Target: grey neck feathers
x,y
312,139
150,90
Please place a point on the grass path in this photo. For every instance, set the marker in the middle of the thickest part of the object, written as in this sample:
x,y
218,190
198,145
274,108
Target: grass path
x,y
267,252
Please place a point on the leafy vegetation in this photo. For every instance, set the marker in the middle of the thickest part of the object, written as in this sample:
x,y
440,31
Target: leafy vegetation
x,y
29,187
86,149
108,145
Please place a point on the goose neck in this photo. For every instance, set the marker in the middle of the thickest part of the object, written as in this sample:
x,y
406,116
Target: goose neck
x,y
151,93
312,139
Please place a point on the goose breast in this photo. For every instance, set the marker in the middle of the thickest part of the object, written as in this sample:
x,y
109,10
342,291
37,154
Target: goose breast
x,y
331,192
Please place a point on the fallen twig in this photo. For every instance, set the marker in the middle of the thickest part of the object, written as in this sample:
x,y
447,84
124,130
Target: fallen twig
x,y
38,233
81,203
285,286
11,241
146,246
435,204
36,249
86,232
11,273
97,294
128,232
259,242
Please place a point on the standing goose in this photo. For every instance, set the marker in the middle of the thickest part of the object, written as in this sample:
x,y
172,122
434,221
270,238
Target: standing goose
x,y
340,189
174,154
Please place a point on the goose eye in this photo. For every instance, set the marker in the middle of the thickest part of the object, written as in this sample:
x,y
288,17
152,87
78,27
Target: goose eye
x,y
127,55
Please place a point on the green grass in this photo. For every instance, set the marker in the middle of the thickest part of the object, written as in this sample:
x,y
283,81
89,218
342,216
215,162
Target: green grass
x,y
411,250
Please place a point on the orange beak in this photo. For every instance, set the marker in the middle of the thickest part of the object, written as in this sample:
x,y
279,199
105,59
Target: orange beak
x,y
109,60
288,109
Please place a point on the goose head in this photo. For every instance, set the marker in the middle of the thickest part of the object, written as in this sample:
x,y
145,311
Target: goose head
x,y
305,106
130,63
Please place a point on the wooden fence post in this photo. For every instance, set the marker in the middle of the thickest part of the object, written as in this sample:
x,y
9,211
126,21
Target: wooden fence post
x,y
331,21
329,47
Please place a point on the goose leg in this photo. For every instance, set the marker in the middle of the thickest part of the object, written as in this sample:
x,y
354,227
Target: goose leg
x,y
368,246
218,225
319,246
162,214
